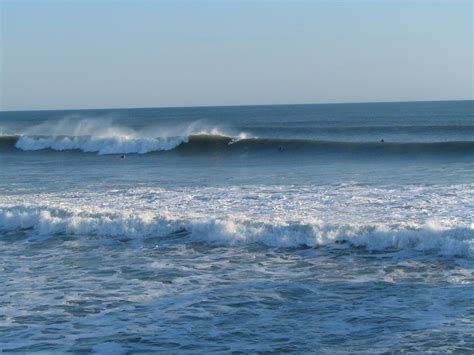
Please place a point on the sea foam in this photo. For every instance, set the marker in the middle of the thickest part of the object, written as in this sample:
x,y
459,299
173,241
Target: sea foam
x,y
237,231
272,230
272,216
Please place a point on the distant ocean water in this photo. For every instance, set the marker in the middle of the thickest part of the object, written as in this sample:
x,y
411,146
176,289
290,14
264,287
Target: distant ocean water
x,y
330,228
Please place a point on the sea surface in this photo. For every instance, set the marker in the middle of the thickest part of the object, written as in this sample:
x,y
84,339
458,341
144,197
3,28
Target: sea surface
x,y
325,228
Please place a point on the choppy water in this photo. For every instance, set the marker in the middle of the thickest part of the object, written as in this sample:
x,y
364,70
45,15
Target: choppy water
x,y
267,228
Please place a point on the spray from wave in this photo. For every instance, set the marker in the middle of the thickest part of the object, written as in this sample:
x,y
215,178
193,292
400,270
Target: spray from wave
x,y
106,137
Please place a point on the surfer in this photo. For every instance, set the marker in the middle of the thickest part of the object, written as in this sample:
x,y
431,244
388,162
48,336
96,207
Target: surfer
x,y
122,156
382,141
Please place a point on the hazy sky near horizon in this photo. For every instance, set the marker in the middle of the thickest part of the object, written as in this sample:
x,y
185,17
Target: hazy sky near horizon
x,y
101,54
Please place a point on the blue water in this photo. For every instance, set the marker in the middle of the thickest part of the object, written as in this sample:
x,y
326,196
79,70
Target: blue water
x,y
331,228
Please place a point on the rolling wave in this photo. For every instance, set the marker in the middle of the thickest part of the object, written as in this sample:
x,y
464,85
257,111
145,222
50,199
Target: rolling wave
x,y
100,145
209,143
234,231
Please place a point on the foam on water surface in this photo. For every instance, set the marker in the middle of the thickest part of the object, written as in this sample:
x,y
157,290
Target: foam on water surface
x,y
275,216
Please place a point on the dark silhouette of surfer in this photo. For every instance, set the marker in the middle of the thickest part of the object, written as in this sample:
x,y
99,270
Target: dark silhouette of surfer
x,y
122,156
382,141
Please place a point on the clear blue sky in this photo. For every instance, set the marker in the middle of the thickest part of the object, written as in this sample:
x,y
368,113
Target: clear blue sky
x,y
92,54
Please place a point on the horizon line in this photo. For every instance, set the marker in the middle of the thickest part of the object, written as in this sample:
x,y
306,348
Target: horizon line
x,y
237,105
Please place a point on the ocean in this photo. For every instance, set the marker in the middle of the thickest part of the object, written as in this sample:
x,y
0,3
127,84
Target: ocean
x,y
289,228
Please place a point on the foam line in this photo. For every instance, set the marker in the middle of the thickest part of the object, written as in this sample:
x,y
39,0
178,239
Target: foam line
x,y
239,231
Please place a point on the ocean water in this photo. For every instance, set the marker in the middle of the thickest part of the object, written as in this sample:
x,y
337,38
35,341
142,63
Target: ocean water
x,y
328,228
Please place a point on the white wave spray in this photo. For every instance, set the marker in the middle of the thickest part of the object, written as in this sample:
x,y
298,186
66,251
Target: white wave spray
x,y
103,136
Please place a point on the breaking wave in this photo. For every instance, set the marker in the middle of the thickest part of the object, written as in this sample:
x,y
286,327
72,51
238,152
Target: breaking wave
x,y
224,144
105,137
100,145
427,238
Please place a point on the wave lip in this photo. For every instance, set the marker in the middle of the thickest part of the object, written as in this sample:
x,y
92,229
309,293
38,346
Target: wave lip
x,y
426,238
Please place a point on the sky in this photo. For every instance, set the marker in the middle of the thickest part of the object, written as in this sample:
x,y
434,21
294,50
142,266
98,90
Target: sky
x,y
73,54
